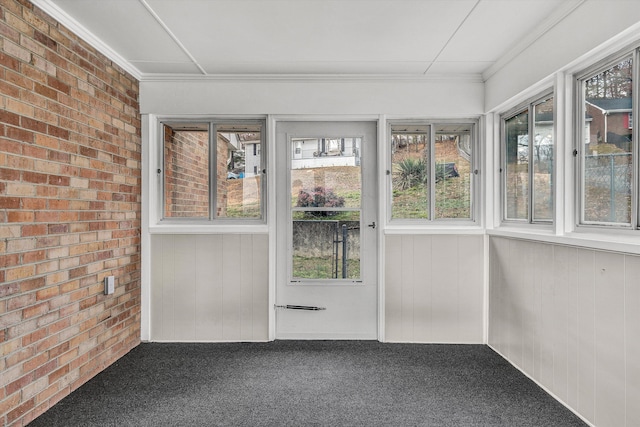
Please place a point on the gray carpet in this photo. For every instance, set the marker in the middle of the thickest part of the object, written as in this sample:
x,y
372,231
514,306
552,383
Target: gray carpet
x,y
314,383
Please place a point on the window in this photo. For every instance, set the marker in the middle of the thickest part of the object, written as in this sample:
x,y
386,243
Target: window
x,y
211,170
432,169
606,158
527,162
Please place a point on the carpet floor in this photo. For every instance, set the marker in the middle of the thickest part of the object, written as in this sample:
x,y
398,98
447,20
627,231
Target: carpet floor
x,y
309,383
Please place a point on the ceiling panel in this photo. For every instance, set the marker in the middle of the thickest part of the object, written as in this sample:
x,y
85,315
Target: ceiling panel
x,y
127,27
287,31
495,26
394,37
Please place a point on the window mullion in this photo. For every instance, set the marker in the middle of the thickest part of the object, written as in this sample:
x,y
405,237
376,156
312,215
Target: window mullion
x,y
431,162
213,167
635,180
531,165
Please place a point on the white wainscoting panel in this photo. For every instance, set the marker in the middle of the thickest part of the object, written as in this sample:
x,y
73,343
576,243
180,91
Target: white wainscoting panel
x,y
570,318
209,287
434,288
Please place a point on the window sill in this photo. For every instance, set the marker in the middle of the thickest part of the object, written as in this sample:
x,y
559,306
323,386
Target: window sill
x,y
209,229
433,229
628,242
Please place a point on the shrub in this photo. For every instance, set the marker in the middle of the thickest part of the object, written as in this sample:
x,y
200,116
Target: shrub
x,y
320,197
410,173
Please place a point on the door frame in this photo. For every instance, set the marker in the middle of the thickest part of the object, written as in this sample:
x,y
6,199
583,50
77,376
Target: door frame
x,y
272,220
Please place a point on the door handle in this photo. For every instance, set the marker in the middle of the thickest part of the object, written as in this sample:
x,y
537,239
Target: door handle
x,y
372,225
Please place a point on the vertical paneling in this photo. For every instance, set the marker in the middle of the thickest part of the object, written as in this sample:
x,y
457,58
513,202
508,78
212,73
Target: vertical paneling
x,y
586,334
498,248
470,251
572,327
422,301
544,275
208,304
609,322
407,286
581,310
562,278
434,288
209,287
393,288
444,294
632,339
184,270
260,272
168,288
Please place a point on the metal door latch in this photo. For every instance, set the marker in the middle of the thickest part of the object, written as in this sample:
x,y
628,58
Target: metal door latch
x,y
300,307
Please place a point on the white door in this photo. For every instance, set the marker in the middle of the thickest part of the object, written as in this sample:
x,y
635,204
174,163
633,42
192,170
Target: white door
x,y
326,230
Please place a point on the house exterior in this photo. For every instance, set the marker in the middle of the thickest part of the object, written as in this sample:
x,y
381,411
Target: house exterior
x,y
611,121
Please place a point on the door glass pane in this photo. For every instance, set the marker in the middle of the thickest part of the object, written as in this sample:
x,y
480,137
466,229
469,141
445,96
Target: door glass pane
x,y
410,171
325,201
238,171
186,170
517,167
453,150
608,158
543,150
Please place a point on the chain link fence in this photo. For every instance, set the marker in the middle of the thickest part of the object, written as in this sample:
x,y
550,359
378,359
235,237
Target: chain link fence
x,y
607,181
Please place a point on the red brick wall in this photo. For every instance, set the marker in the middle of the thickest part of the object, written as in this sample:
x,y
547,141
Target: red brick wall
x,y
69,212
186,187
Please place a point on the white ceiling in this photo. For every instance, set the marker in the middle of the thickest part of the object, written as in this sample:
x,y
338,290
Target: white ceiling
x,y
415,38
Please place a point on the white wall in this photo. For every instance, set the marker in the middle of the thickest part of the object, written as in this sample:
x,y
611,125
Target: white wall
x,y
593,23
434,288
570,319
209,287
176,308
411,97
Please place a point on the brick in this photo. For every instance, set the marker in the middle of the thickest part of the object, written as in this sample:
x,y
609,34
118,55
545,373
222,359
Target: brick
x,y
31,284
9,203
9,260
33,230
34,337
8,289
45,91
35,310
20,410
20,216
48,293
19,134
19,273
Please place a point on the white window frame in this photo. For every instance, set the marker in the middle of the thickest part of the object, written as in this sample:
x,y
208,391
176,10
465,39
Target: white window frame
x,y
579,148
196,224
476,189
528,106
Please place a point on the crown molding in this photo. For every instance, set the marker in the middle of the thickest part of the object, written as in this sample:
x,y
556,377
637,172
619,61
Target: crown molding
x,y
411,78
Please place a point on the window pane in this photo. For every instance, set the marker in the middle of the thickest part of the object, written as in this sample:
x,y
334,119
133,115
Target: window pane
x,y
543,154
325,172
326,245
238,172
453,147
409,168
517,166
326,186
186,171
607,158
